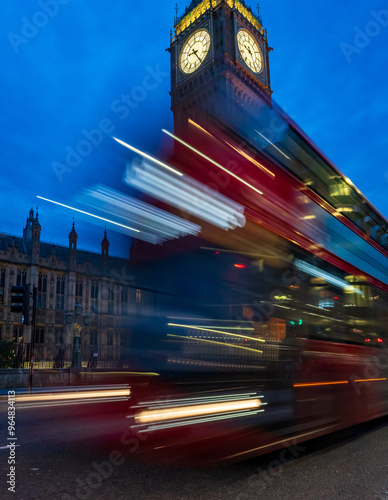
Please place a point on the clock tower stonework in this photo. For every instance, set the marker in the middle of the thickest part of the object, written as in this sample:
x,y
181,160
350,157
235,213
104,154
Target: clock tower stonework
x,y
219,61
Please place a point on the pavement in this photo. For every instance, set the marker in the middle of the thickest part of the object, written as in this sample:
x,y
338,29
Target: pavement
x,y
63,454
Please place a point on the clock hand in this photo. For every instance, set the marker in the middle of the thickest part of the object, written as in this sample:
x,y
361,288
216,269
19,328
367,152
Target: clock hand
x,y
195,52
248,49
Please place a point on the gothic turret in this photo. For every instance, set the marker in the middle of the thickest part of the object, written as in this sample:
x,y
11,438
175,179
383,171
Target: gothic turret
x,y
35,232
73,237
36,229
105,246
27,230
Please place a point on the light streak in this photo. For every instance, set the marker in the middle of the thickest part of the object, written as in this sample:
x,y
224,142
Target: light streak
x,y
316,307
114,393
89,214
216,331
371,380
155,223
344,210
252,160
145,155
330,278
213,162
187,194
203,399
200,128
162,415
326,317
273,145
283,442
146,374
312,384
214,342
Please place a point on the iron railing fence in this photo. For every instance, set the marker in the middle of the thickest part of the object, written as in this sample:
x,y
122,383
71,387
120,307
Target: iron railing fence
x,y
48,356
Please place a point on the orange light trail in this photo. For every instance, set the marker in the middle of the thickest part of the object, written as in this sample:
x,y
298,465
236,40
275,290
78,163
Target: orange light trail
x,y
370,380
74,395
322,383
212,161
252,160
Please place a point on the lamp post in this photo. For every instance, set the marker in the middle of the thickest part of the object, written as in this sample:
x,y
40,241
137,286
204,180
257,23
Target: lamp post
x,y
76,361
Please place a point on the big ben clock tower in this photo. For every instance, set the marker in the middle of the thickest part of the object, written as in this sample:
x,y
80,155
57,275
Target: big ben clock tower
x,y
219,59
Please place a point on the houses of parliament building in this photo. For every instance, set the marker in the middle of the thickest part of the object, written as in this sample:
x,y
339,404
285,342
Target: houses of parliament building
x,y
66,277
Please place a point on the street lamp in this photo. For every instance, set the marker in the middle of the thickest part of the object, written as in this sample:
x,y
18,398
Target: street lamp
x,y
76,362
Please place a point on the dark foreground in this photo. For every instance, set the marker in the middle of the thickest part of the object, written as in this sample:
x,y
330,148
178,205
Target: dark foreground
x,y
51,465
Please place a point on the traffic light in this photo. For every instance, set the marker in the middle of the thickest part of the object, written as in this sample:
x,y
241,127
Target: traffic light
x,y
20,301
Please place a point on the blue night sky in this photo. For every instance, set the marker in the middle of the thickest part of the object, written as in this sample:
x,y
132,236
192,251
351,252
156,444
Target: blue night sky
x,y
66,77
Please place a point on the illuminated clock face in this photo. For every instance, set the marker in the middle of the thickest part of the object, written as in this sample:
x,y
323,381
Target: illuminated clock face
x,y
194,51
250,51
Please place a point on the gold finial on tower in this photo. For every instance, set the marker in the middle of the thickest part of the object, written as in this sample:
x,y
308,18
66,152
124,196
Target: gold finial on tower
x,y
176,13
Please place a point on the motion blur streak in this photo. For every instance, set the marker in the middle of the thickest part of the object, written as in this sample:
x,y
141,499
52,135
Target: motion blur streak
x,y
149,416
371,380
156,225
213,162
283,442
200,128
145,155
321,316
330,278
89,214
186,194
201,328
114,393
273,145
322,383
214,342
252,160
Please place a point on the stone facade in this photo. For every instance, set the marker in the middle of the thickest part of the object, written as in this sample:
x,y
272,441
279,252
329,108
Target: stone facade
x,y
66,276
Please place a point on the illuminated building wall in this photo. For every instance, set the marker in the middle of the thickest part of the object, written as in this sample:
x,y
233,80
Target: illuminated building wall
x,y
64,277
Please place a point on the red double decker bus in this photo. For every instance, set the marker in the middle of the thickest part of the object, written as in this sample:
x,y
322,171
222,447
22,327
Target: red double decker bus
x,y
268,323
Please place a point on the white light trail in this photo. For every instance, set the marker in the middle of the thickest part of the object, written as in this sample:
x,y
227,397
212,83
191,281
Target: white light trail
x,y
224,344
273,145
156,225
89,214
160,415
186,194
330,278
63,396
194,327
145,155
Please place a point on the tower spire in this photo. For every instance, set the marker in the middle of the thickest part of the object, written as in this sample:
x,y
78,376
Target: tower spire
x,y
259,16
73,237
105,246
176,13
